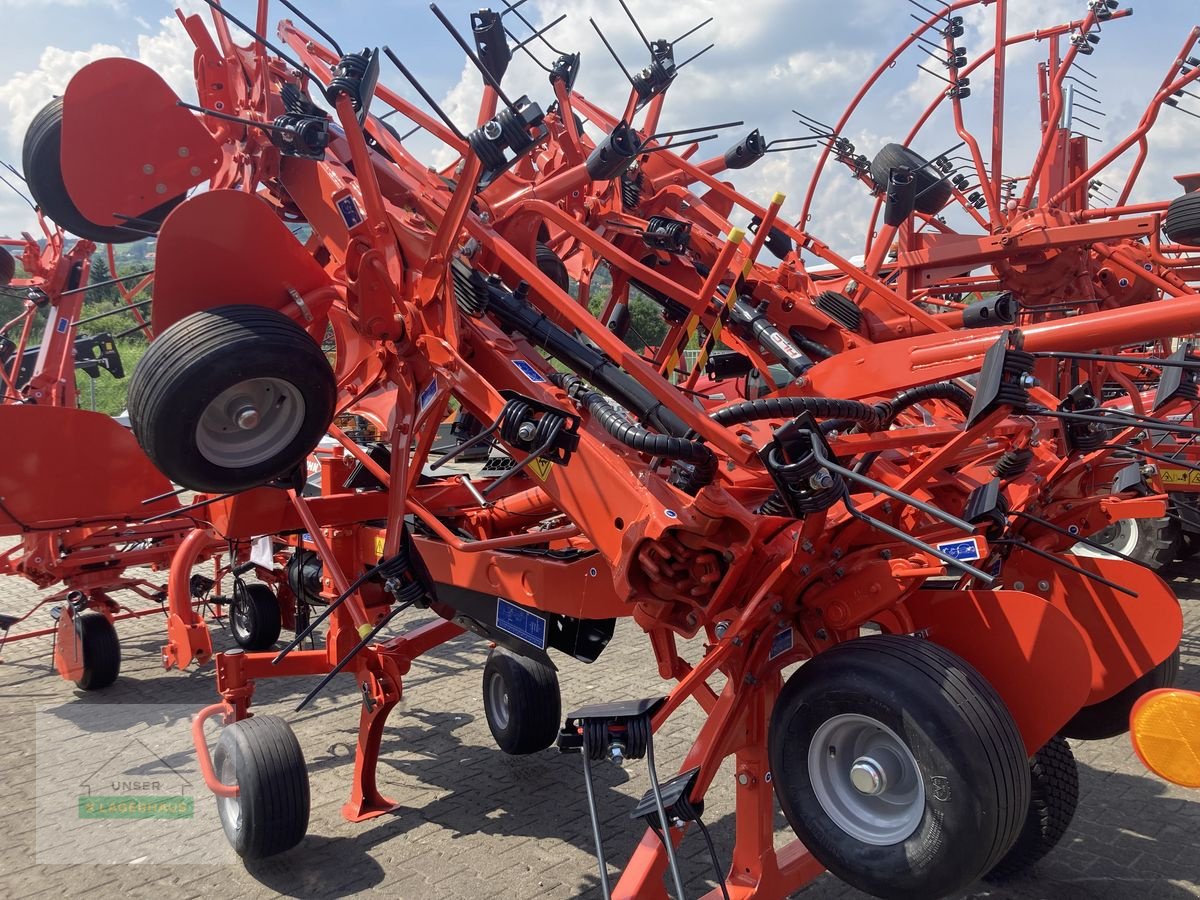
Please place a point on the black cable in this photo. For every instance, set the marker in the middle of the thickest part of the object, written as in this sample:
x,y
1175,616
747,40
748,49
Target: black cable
x,y
606,891
662,814
789,407
712,852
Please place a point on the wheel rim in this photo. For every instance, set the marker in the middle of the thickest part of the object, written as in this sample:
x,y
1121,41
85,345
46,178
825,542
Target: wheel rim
x,y
239,614
230,808
1119,537
498,701
250,422
866,779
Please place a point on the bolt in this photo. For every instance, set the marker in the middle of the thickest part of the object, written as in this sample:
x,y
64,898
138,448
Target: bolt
x,y
805,570
1018,585
743,779
1028,381
616,753
837,552
776,607
195,170
807,546
527,431
247,417
839,572
720,628
1043,585
885,554
821,480
160,188
868,777
184,152
822,634
491,130
148,169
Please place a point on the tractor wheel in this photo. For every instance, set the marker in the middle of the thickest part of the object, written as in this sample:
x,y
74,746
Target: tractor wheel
x,y
1110,717
8,267
42,162
933,192
1054,783
1152,542
522,702
263,758
1182,224
254,616
898,766
552,266
231,398
101,651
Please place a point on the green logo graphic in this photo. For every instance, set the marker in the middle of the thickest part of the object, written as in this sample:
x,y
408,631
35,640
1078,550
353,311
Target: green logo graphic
x,y
136,807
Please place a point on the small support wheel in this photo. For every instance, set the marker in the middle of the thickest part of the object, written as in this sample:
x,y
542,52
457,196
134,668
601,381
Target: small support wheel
x,y
254,616
230,398
1182,223
521,701
932,191
1152,542
101,651
1054,783
1110,717
263,758
898,766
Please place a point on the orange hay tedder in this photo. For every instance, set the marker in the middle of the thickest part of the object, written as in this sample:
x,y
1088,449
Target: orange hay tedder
x,y
896,510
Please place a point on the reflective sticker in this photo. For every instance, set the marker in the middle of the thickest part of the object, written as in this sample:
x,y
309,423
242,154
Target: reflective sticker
x,y
427,395
521,623
379,545
541,468
964,550
528,371
349,210
782,643
63,325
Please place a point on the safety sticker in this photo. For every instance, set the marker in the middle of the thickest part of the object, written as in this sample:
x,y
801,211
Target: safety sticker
x,y
541,468
782,643
379,545
427,395
528,371
964,550
349,210
521,623
1179,476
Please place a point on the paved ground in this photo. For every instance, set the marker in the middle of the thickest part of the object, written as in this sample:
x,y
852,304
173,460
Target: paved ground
x,y
475,823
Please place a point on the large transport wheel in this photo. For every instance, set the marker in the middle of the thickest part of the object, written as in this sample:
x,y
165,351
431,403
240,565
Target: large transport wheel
x,y
41,159
1152,542
521,701
1054,783
1182,224
1110,717
898,766
254,616
932,191
100,650
263,758
231,398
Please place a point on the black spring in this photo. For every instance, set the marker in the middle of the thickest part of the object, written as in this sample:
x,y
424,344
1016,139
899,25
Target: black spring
x,y
631,189
347,78
808,487
470,290
518,414
484,141
1013,464
1013,391
663,233
840,308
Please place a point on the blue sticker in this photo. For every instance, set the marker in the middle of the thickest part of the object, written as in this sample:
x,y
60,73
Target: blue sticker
x,y
427,395
964,550
349,210
521,623
782,643
528,371
63,325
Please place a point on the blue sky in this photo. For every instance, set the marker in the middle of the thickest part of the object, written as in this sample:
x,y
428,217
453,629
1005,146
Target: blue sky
x,y
770,56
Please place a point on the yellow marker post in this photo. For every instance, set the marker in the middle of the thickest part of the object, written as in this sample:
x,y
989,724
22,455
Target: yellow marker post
x,y
720,267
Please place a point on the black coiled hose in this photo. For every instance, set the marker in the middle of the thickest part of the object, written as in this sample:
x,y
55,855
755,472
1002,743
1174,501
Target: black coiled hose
x,y
889,410
629,433
789,407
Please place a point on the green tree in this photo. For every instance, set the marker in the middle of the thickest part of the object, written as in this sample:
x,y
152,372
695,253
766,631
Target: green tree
x,y
100,272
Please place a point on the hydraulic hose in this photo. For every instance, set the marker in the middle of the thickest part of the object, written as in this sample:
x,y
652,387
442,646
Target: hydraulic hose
x,y
788,407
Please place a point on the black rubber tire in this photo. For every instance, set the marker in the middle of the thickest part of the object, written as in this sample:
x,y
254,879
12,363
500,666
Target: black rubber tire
x,y
933,192
8,267
1156,543
101,651
1110,718
41,159
528,722
550,264
201,355
964,742
254,618
1182,223
1054,797
267,765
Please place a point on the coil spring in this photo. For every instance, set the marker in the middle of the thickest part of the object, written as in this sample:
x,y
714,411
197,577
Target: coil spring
x,y
597,738
1013,464
631,189
805,494
470,293
347,77
663,233
518,413
1017,364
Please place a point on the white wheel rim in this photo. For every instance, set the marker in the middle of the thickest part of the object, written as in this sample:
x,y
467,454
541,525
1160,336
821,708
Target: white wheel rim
x,y
250,422
866,779
498,701
230,808
1120,537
